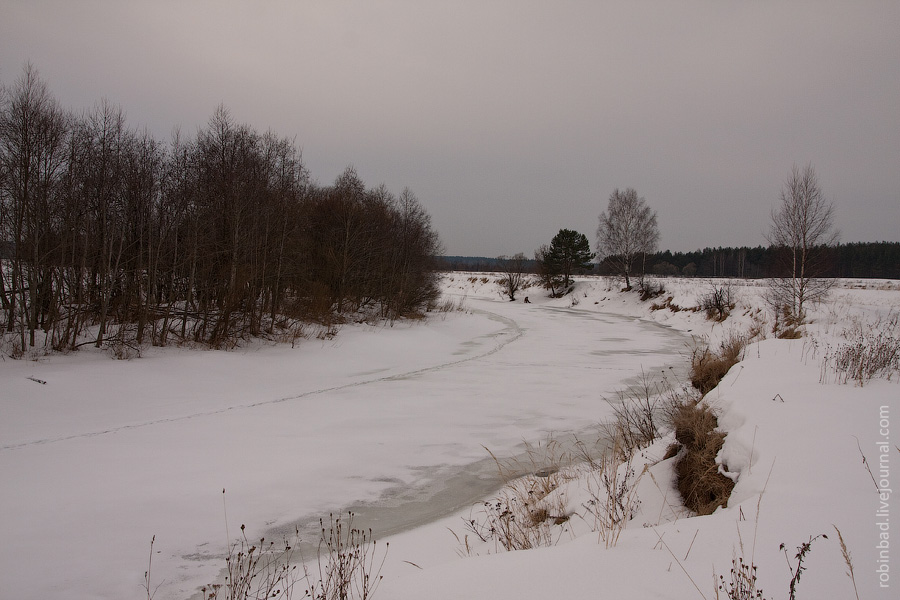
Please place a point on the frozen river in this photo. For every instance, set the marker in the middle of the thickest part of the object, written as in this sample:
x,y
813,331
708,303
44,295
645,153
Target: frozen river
x,y
392,421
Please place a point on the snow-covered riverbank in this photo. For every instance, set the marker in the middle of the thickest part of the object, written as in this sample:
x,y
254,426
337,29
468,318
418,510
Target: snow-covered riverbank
x,y
106,454
97,456
795,446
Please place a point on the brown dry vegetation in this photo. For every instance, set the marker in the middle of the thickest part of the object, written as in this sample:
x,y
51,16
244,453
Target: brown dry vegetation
x,y
709,367
703,489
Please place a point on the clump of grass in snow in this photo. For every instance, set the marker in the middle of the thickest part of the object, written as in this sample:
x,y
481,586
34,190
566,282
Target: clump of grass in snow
x,y
256,571
448,304
348,567
612,484
635,416
532,510
708,367
703,488
524,513
870,353
787,324
791,333
348,562
650,289
742,583
757,328
520,518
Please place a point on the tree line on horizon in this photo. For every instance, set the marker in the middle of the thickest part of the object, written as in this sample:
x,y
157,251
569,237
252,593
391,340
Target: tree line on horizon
x,y
856,260
209,238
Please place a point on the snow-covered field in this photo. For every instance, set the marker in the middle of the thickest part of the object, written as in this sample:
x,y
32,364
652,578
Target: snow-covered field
x,y
98,456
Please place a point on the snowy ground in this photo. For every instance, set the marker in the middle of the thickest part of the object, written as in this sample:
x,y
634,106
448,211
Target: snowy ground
x,y
106,454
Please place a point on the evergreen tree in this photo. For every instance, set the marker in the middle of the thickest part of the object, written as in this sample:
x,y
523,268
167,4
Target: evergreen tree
x,y
569,251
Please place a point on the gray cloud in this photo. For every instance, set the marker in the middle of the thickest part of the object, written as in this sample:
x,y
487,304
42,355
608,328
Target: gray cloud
x,y
513,119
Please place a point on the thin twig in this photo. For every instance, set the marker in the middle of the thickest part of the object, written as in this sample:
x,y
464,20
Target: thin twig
x,y
672,554
752,447
758,504
225,510
150,594
866,464
692,545
665,496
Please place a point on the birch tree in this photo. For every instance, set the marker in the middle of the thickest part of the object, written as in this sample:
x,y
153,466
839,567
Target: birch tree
x,y
627,229
802,227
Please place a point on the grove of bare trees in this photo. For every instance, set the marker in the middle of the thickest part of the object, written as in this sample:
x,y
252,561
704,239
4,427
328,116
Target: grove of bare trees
x,y
107,232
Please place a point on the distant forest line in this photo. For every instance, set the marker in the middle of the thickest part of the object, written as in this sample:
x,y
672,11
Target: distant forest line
x,y
863,260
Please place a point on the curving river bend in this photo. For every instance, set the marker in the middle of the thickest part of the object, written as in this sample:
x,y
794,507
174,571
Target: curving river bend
x,y
393,424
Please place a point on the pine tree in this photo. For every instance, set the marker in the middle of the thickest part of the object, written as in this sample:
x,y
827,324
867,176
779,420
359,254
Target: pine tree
x,y
569,251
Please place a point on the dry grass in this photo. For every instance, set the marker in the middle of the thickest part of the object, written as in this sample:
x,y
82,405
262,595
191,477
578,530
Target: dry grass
x,y
635,415
650,289
669,303
703,488
255,571
531,510
870,352
448,304
348,564
525,512
757,328
787,325
521,517
848,560
612,485
790,333
741,585
708,367
348,567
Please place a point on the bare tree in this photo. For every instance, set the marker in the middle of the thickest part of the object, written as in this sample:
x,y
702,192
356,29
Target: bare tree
x,y
548,274
33,130
803,227
513,274
627,228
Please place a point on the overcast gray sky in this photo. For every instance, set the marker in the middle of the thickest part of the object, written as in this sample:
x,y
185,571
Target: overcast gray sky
x,y
513,119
